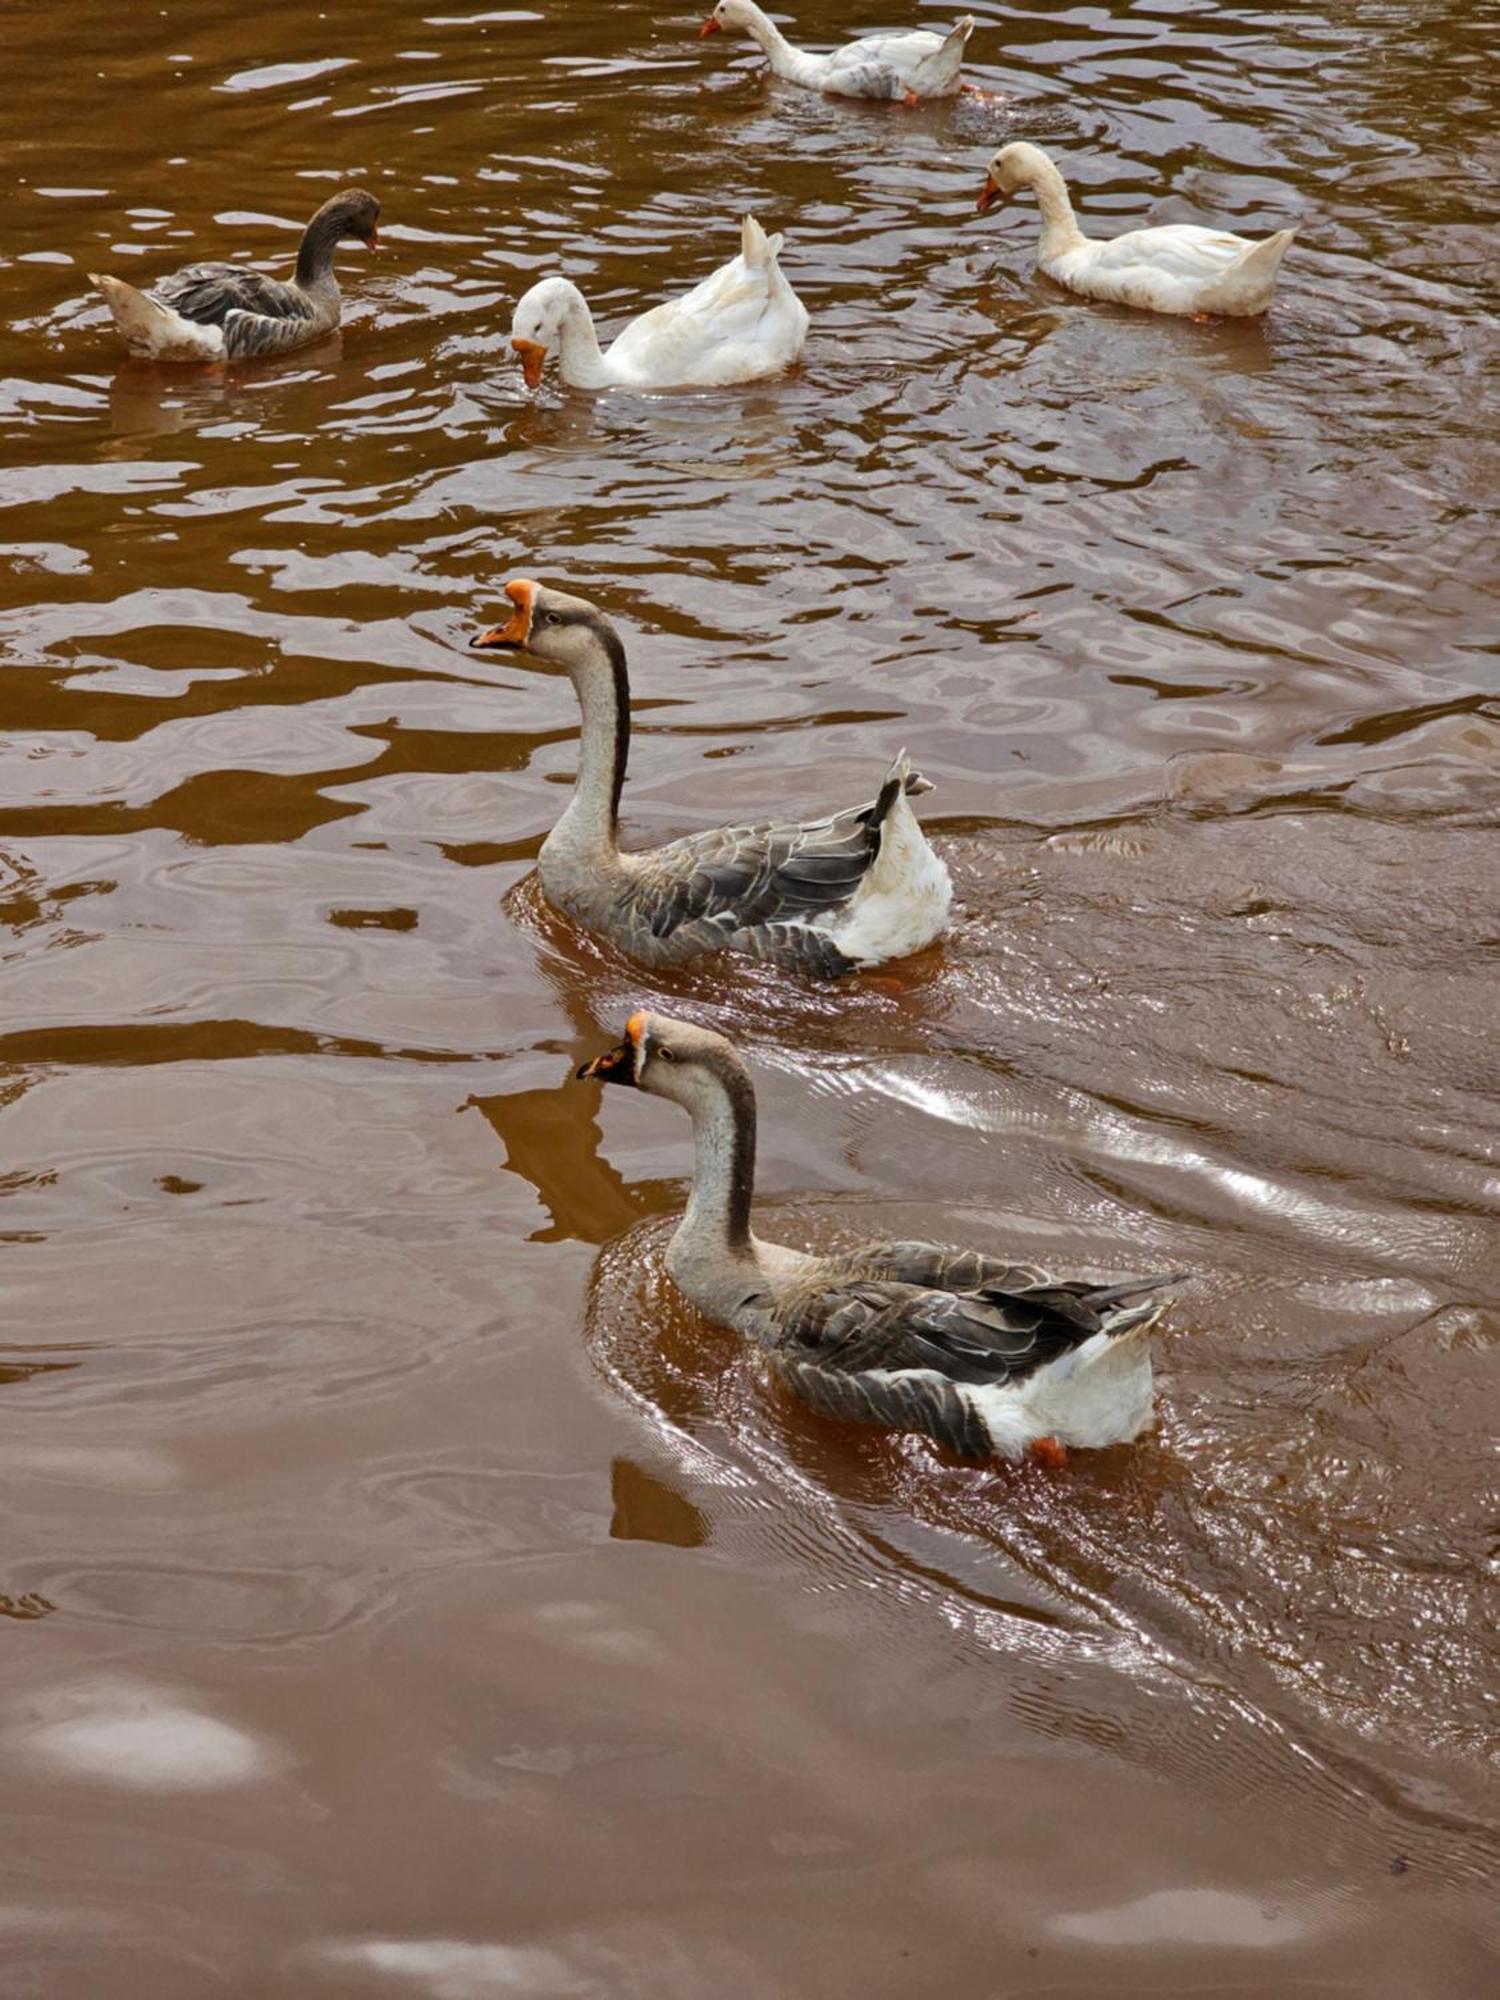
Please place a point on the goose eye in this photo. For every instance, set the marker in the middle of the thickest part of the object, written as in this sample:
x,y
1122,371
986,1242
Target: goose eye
x,y
665,1055
551,618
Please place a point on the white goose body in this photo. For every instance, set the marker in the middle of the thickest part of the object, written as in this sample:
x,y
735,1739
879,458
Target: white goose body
x,y
990,1359
822,897
1175,268
743,322
906,66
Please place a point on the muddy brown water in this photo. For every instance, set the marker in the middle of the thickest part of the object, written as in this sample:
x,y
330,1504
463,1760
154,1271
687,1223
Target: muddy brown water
x,y
407,1594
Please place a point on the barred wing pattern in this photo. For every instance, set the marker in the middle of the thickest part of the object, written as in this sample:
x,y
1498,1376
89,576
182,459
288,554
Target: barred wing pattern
x,y
259,315
760,889
913,1325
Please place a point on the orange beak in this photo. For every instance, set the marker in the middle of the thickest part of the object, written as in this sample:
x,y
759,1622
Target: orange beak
x,y
710,27
512,636
532,354
989,194
617,1065
372,241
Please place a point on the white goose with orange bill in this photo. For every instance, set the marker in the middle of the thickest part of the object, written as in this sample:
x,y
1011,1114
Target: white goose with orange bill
x,y
825,897
226,312
904,67
1178,267
989,1358
743,322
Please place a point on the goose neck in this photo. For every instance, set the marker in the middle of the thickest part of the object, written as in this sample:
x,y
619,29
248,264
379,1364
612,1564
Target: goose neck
x,y
579,355
315,253
1060,231
717,1218
784,58
603,689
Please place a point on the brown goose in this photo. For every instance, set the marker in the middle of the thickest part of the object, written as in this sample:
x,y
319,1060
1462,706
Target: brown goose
x,y
823,898
990,1359
226,312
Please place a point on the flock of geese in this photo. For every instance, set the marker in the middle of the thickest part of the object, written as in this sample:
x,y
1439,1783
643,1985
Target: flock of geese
x,y
987,1358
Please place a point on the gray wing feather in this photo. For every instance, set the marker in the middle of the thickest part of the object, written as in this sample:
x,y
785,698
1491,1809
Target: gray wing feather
x,y
209,293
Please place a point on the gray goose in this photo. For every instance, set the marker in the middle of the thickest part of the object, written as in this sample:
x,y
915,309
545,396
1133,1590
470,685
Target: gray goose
x,y
988,1358
226,312
822,898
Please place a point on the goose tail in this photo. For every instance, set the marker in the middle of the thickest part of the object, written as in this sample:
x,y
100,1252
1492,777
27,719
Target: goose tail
x,y
1114,1302
150,327
755,246
1249,282
958,34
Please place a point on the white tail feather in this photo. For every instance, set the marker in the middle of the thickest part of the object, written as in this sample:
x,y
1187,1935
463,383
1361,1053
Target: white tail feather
x,y
151,327
755,246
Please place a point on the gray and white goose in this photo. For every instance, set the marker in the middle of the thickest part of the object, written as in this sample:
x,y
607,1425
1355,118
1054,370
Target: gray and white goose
x,y
208,312
824,898
990,1359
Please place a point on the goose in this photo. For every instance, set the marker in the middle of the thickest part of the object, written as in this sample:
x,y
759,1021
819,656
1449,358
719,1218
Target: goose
x,y
1178,268
907,66
744,321
226,312
988,1358
824,898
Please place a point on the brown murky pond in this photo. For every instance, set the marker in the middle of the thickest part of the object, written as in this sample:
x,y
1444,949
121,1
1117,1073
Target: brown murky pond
x,y
406,1594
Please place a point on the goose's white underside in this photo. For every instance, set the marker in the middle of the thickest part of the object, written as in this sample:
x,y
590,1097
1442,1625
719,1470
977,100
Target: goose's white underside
x,y
152,328
902,904
1095,1395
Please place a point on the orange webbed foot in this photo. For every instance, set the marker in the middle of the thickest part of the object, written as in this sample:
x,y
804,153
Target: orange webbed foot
x,y
1049,1453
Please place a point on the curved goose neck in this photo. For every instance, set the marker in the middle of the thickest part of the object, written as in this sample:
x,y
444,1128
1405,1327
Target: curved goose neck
x,y
785,60
592,819
579,354
1060,231
315,256
717,1218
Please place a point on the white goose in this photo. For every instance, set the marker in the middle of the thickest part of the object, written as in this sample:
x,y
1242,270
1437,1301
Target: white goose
x,y
907,66
823,898
742,322
1177,268
991,1359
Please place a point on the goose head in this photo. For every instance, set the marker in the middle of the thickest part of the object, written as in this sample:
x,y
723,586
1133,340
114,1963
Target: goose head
x,y
349,217
694,1067
540,321
730,14
1015,166
550,625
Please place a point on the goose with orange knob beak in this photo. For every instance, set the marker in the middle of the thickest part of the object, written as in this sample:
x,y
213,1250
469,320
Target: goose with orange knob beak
x,y
742,323
987,1357
823,897
1177,268
905,67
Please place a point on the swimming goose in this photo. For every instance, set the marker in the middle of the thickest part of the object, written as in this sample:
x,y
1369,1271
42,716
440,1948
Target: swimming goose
x,y
226,312
742,322
849,891
990,1359
1178,268
907,66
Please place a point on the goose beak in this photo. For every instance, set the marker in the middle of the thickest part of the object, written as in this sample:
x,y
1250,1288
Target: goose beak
x,y
618,1065
532,354
513,635
372,241
710,27
989,194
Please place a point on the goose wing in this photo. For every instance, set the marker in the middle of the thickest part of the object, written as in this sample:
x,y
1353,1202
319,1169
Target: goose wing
x,y
1176,250
209,293
737,879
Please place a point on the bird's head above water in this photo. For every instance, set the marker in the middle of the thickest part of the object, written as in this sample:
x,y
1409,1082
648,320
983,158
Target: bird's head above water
x,y
731,14
350,216
540,321
549,625
1015,166
670,1058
